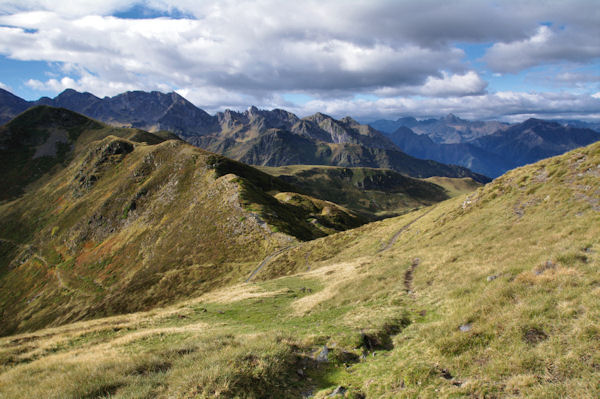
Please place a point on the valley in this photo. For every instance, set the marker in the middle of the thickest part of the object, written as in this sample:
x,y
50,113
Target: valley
x,y
267,199
137,265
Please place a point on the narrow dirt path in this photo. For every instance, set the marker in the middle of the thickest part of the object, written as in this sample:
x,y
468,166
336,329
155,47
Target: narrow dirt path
x,y
408,275
392,240
41,259
267,260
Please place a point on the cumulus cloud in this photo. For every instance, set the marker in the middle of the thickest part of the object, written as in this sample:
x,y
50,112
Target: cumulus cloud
x,y
86,83
75,8
448,85
188,52
234,53
577,77
513,106
5,86
547,45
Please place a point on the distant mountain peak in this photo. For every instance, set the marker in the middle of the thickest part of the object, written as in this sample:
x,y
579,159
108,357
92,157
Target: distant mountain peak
x,y
407,119
535,121
349,121
319,117
453,118
68,93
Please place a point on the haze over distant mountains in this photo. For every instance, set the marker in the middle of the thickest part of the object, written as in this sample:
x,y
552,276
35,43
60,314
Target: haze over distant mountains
x,y
487,147
278,137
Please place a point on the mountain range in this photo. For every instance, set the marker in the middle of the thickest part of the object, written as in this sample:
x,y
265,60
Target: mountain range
x,y
447,130
135,265
257,137
94,216
449,146
487,147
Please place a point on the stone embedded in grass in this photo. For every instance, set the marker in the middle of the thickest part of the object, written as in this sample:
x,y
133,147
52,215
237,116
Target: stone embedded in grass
x,y
323,356
492,277
340,390
465,327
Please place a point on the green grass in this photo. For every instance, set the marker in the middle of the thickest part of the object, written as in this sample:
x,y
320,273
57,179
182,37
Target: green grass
x,y
513,263
373,193
141,225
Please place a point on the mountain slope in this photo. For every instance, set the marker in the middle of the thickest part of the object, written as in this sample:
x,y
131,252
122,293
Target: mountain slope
x,y
464,154
493,294
280,147
151,111
535,139
254,136
496,153
43,139
120,223
10,106
375,193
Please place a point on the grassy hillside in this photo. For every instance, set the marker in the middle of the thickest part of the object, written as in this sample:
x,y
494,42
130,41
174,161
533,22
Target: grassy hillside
x,y
127,225
491,294
375,193
43,140
455,186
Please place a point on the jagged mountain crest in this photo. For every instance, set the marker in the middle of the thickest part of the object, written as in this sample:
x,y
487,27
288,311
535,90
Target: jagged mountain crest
x,y
450,129
151,111
455,140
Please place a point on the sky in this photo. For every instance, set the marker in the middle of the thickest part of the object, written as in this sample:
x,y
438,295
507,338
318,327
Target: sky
x,y
370,59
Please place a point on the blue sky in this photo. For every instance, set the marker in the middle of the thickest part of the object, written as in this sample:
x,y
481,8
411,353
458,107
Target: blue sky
x,y
370,59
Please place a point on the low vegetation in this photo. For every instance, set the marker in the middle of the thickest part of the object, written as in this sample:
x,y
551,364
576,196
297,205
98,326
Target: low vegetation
x,y
489,294
121,225
374,193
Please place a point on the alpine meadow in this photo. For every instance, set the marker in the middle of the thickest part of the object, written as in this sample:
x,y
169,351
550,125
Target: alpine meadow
x,y
319,199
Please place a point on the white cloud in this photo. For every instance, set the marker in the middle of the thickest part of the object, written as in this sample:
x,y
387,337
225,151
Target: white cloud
x,y
87,83
469,83
547,45
5,87
514,106
72,8
246,58
448,85
236,53
577,78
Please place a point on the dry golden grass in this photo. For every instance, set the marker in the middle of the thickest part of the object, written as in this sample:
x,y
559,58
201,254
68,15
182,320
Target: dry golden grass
x,y
333,277
494,294
237,293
